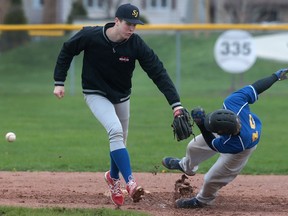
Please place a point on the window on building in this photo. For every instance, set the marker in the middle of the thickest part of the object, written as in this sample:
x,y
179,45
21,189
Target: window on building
x,y
173,6
158,4
95,3
100,3
164,3
38,4
90,3
268,15
153,3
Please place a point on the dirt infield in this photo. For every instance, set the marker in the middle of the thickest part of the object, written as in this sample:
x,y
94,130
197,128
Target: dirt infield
x,y
246,195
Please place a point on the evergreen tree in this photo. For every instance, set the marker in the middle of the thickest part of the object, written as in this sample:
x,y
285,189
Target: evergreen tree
x,y
12,39
77,10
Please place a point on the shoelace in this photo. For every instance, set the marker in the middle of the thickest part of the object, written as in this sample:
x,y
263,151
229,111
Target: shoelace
x,y
116,187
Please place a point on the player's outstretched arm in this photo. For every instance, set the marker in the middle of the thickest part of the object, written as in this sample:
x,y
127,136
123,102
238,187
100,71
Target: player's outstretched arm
x,y
265,83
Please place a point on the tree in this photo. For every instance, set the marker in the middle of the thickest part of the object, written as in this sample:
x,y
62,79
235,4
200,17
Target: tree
x,y
12,39
77,10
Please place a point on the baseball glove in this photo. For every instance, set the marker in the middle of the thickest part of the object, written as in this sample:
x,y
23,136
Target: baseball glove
x,y
281,74
182,127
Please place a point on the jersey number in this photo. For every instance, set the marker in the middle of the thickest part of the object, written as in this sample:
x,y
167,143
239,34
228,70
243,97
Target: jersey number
x,y
255,135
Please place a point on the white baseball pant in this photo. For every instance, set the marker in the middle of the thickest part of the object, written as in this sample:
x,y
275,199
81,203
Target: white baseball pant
x,y
224,170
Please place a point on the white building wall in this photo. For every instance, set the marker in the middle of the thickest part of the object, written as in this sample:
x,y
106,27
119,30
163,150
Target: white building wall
x,y
94,11
63,10
186,11
154,15
162,15
33,11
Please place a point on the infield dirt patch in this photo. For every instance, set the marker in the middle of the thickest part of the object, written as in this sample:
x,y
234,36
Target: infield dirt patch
x,y
246,195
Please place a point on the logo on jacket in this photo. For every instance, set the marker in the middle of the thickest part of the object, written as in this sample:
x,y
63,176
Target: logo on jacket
x,y
135,13
124,59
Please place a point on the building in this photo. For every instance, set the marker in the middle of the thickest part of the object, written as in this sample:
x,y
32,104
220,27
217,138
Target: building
x,y
158,11
47,11
154,11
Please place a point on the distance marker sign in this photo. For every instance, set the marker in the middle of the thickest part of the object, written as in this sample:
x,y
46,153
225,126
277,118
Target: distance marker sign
x,y
234,51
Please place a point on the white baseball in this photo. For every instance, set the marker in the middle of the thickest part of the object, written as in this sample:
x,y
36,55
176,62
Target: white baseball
x,y
10,137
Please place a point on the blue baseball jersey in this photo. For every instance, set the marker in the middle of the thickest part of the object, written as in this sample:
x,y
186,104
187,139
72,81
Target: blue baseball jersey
x,y
250,132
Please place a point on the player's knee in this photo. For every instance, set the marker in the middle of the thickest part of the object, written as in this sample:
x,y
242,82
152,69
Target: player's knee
x,y
115,135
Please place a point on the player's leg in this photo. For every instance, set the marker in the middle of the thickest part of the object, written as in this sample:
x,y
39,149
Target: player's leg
x,y
225,170
105,113
123,113
197,151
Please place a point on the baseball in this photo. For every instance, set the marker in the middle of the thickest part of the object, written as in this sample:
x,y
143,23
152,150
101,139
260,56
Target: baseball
x,y
10,137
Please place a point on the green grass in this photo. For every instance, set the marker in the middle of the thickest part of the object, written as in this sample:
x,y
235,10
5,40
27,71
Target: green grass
x,y
62,135
12,211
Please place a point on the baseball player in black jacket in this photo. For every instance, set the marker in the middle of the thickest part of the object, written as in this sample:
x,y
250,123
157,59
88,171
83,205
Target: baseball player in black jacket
x,y
110,53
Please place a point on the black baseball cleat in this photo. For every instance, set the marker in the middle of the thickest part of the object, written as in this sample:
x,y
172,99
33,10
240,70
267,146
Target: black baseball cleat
x,y
189,203
173,164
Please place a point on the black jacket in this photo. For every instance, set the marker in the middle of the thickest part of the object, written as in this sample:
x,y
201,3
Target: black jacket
x,y
108,67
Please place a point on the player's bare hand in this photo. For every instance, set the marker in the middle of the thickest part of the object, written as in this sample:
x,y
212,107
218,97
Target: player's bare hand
x,y
59,91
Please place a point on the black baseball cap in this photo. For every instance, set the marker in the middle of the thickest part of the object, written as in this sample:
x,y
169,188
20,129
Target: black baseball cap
x,y
129,13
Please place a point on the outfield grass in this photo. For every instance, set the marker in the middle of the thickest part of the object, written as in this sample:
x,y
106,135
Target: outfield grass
x,y
62,135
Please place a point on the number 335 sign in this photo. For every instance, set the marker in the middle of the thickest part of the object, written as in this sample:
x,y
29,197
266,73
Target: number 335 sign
x,y
234,51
